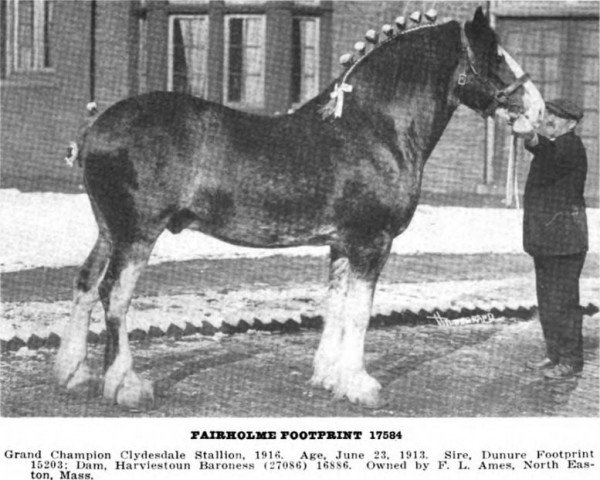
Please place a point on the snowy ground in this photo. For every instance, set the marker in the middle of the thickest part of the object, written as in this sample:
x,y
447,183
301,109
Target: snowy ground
x,y
56,230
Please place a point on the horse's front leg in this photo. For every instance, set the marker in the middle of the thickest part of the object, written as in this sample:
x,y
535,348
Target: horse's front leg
x,y
339,363
353,381
366,262
328,354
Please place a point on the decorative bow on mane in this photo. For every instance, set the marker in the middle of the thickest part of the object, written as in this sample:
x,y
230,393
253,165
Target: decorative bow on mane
x,y
338,95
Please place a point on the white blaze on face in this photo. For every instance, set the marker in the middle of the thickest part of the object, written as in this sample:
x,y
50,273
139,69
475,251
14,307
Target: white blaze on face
x,y
532,99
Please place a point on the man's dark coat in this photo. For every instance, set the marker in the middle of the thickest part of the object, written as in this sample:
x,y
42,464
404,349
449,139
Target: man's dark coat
x,y
554,208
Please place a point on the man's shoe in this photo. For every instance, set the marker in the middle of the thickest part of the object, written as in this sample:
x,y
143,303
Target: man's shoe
x,y
562,371
543,364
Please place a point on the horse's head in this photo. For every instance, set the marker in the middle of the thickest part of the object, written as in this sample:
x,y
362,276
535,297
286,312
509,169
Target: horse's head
x,y
489,79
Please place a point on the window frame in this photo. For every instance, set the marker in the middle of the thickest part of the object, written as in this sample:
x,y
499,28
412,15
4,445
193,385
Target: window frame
x,y
171,45
244,104
218,43
317,50
142,54
12,38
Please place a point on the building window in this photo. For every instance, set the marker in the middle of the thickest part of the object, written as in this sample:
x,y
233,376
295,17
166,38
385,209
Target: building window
x,y
305,59
142,58
243,2
31,26
244,76
188,54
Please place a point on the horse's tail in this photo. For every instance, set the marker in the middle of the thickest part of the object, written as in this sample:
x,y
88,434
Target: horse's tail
x,y
73,148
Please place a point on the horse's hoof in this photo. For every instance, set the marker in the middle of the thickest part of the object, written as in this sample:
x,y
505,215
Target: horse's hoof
x,y
136,392
71,375
325,377
323,381
358,387
131,391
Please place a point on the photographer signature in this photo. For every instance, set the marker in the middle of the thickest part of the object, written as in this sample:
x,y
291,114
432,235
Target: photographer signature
x,y
446,322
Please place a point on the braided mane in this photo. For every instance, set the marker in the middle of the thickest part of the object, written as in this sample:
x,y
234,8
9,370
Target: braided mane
x,y
329,108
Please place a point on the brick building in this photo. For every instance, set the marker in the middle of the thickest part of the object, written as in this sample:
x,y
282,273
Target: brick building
x,y
260,56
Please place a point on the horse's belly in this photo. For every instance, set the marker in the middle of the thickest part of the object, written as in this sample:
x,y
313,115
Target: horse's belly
x,y
260,215
261,234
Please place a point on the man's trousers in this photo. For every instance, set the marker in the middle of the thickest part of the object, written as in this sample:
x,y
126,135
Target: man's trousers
x,y
557,285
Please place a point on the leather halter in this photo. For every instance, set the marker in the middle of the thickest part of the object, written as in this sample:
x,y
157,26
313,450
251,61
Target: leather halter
x,y
499,96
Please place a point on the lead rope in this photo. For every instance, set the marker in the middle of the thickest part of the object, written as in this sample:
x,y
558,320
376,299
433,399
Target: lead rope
x,y
511,197
515,174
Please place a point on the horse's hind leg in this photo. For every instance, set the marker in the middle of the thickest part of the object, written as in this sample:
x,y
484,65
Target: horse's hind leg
x,y
70,366
121,383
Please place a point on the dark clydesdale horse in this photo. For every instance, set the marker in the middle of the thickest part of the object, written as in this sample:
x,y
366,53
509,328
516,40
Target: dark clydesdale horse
x,y
344,170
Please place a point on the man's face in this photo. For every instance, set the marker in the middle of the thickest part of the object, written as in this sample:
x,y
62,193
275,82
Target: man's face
x,y
555,126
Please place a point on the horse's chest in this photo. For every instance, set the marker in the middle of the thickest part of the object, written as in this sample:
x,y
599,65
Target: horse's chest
x,y
379,196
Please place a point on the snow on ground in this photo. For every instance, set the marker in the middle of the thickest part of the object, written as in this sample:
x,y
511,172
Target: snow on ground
x,y
56,230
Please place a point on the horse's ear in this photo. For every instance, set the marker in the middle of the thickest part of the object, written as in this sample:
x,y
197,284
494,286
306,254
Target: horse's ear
x,y
480,20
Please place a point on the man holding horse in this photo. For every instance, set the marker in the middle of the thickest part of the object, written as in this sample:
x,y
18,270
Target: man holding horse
x,y
555,233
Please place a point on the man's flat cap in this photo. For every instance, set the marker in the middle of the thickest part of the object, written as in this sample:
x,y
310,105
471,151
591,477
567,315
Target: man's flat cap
x,y
564,108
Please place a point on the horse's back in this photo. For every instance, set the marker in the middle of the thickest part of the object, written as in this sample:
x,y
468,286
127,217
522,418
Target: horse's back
x,y
189,162
183,128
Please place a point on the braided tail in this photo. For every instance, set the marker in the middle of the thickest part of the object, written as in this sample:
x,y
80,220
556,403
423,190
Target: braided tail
x,y
73,148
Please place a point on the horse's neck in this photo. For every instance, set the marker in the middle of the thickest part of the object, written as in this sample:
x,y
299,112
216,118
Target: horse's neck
x,y
419,121
411,87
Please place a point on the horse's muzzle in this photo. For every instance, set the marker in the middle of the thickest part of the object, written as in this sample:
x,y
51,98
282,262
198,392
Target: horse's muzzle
x,y
502,98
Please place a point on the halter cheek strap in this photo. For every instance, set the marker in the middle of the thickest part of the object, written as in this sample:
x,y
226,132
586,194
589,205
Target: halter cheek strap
x,y
500,96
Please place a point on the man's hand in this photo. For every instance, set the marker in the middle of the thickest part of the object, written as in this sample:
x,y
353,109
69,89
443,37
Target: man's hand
x,y
523,128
